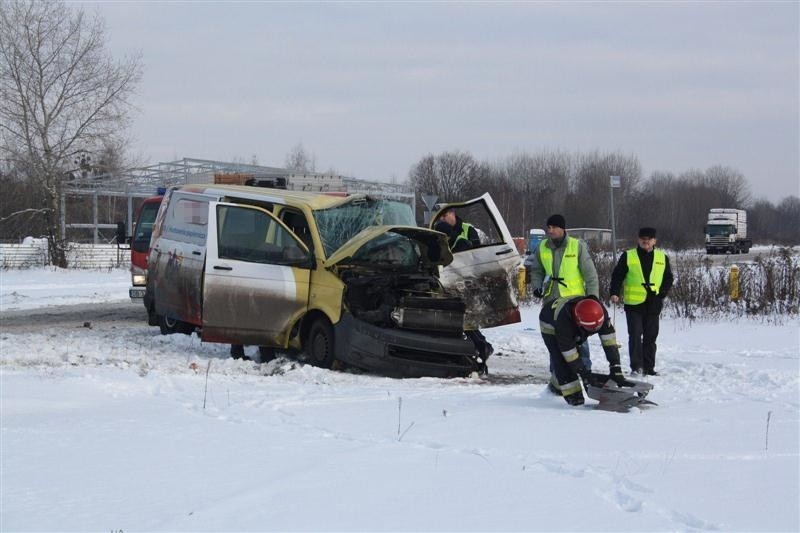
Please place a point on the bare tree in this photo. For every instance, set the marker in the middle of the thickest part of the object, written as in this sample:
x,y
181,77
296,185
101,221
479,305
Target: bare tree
x,y
61,95
589,204
301,161
729,184
539,183
449,175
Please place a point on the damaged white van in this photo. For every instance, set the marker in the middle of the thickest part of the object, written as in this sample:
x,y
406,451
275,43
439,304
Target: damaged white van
x,y
332,277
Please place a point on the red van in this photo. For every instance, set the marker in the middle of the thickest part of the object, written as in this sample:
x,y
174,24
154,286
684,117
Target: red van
x,y
140,245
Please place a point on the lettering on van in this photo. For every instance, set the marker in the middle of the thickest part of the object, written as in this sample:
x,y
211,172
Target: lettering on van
x,y
187,221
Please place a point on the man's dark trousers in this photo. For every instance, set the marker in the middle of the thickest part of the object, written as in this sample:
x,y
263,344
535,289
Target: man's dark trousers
x,y
642,333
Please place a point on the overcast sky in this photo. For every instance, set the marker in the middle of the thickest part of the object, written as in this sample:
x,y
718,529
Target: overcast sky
x,y
371,88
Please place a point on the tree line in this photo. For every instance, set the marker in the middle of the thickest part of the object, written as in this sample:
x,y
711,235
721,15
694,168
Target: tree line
x,y
530,186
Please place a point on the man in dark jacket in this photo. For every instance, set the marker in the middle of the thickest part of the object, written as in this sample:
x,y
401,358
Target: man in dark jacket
x,y
460,235
565,324
642,279
463,236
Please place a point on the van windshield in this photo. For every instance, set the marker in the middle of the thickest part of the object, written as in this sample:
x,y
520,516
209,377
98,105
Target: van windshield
x,y
144,227
340,224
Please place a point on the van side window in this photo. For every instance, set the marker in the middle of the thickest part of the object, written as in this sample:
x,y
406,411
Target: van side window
x,y
299,225
187,221
245,234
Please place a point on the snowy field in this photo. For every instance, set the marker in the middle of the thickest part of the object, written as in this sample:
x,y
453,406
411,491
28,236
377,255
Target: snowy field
x,y
104,428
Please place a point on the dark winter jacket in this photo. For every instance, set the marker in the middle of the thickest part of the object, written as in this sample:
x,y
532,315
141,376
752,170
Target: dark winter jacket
x,y
452,232
654,302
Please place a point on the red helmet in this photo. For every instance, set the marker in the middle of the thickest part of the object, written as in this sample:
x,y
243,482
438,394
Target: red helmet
x,y
588,314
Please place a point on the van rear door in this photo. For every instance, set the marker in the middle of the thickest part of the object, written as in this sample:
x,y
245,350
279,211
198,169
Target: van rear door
x,y
256,278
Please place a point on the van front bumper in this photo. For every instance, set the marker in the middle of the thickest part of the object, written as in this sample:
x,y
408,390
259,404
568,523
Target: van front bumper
x,y
403,354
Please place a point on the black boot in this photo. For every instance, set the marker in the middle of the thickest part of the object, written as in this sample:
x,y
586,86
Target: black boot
x,y
237,351
576,398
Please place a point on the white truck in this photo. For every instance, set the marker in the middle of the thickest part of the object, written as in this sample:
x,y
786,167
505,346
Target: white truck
x,y
726,231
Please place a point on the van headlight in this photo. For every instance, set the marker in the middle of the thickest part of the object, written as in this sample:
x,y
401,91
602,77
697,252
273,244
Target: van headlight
x,y
138,276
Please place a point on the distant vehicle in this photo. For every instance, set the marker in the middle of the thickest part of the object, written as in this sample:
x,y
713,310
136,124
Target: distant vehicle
x,y
140,244
347,278
535,236
726,231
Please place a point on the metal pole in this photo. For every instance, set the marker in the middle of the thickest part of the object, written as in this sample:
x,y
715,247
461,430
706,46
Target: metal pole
x,y
613,184
63,218
96,237
130,215
613,225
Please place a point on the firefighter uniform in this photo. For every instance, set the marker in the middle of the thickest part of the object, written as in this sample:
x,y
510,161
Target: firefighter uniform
x,y
562,336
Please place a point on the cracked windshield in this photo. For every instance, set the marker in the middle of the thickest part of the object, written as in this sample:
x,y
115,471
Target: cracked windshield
x,y
340,224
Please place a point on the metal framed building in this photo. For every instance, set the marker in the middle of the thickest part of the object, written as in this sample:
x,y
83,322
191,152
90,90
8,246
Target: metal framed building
x,y
145,181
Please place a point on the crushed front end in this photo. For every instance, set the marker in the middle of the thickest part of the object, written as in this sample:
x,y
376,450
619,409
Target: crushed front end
x,y
398,320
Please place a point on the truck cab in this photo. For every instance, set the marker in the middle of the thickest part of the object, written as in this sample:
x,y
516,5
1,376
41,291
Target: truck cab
x,y
726,231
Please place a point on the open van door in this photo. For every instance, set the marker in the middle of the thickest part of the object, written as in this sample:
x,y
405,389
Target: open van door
x,y
256,277
484,276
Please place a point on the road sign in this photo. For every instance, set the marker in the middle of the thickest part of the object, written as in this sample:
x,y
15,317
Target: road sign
x,y
616,182
429,200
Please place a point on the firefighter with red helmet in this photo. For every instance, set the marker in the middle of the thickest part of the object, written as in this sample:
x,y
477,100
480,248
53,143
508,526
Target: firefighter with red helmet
x,y
567,322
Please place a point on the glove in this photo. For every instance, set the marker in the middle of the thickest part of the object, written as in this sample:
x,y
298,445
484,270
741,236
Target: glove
x,y
538,293
594,380
615,373
579,369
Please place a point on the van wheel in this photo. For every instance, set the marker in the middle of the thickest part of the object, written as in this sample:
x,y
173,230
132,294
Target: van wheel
x,y
319,344
169,325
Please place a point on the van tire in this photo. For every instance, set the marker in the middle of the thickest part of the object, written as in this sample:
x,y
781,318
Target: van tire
x,y
319,344
168,326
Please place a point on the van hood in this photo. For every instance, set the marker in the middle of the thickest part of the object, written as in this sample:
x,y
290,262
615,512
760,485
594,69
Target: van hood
x,y
385,247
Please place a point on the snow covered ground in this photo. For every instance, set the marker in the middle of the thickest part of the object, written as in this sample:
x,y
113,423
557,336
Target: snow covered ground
x,y
104,427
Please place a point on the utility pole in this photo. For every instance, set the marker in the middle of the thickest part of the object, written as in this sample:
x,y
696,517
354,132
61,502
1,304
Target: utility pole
x,y
614,183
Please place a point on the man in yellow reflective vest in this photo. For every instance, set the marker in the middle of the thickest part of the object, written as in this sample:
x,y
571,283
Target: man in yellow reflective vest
x,y
561,267
460,235
463,236
642,279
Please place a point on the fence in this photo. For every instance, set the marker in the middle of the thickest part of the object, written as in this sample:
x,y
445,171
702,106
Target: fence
x,y
78,255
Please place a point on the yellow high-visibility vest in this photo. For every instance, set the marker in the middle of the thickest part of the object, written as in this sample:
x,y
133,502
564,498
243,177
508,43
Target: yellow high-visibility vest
x,y
569,278
464,235
633,288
